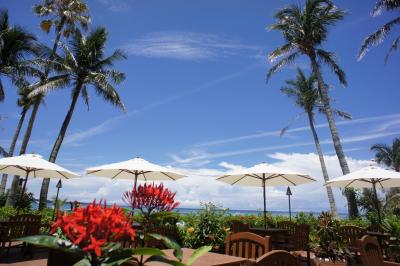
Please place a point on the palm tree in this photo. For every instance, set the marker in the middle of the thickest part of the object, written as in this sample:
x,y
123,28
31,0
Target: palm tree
x,y
304,92
84,65
388,155
25,103
15,44
378,36
64,15
305,29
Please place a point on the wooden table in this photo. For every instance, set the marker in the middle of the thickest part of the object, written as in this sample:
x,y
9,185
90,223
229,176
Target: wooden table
x,y
208,259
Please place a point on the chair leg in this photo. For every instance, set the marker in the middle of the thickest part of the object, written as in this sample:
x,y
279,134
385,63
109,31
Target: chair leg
x,y
308,257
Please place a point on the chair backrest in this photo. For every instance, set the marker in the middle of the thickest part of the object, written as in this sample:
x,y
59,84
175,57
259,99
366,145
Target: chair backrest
x,y
238,226
371,254
301,237
351,233
24,225
169,231
278,258
247,245
288,225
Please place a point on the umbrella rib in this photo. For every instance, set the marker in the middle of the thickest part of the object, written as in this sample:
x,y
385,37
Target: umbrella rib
x,y
352,181
145,178
5,167
62,174
94,171
168,176
240,178
307,177
117,174
294,184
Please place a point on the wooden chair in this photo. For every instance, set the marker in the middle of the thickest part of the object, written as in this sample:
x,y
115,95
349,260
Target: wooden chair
x,y
169,231
19,226
371,254
299,242
278,258
247,245
288,225
238,226
350,234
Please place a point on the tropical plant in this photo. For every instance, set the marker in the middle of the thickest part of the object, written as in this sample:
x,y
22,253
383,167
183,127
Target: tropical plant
x,y
305,29
24,102
84,64
388,155
209,228
378,36
15,45
305,93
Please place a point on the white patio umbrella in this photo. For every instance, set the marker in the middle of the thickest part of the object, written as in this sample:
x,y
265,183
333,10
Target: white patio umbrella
x,y
263,175
368,177
33,165
135,169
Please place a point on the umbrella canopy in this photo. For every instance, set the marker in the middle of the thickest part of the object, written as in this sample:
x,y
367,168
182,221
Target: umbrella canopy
x,y
262,175
33,165
368,177
267,174
136,169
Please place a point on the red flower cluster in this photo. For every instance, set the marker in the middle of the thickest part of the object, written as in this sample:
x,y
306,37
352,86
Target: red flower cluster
x,y
151,197
92,227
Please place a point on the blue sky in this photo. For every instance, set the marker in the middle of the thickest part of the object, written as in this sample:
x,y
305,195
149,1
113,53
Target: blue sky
x,y
197,99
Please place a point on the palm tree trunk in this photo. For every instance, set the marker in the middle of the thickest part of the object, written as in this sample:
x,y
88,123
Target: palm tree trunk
x,y
331,198
57,145
14,185
12,147
350,193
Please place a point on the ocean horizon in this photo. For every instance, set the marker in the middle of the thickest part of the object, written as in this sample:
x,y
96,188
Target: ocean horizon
x,y
183,210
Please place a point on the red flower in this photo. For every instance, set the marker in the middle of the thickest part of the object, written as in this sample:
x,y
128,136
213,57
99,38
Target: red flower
x,y
151,197
92,227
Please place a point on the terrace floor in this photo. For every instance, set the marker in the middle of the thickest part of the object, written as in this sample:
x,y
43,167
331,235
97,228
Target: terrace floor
x,y
16,258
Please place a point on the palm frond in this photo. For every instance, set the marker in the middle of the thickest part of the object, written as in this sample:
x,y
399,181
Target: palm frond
x,y
342,114
85,96
377,37
280,51
287,60
286,128
50,84
2,95
393,47
329,59
389,5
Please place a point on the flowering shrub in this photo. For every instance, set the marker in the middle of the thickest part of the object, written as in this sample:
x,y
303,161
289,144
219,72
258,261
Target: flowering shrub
x,y
150,197
91,228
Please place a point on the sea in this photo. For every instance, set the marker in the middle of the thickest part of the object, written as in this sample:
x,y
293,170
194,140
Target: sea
x,y
67,207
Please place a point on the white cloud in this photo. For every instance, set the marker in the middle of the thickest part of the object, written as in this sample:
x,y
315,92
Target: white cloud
x,y
186,46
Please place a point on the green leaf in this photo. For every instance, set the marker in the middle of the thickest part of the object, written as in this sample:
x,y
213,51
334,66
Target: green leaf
x,y
83,262
198,253
118,258
46,25
49,242
169,244
148,252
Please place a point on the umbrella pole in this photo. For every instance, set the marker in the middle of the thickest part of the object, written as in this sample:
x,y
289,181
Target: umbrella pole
x,y
23,189
290,210
265,206
136,175
56,201
377,203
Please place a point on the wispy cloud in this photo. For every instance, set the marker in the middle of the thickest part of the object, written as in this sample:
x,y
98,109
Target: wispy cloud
x,y
186,46
117,5
390,120
76,137
207,156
